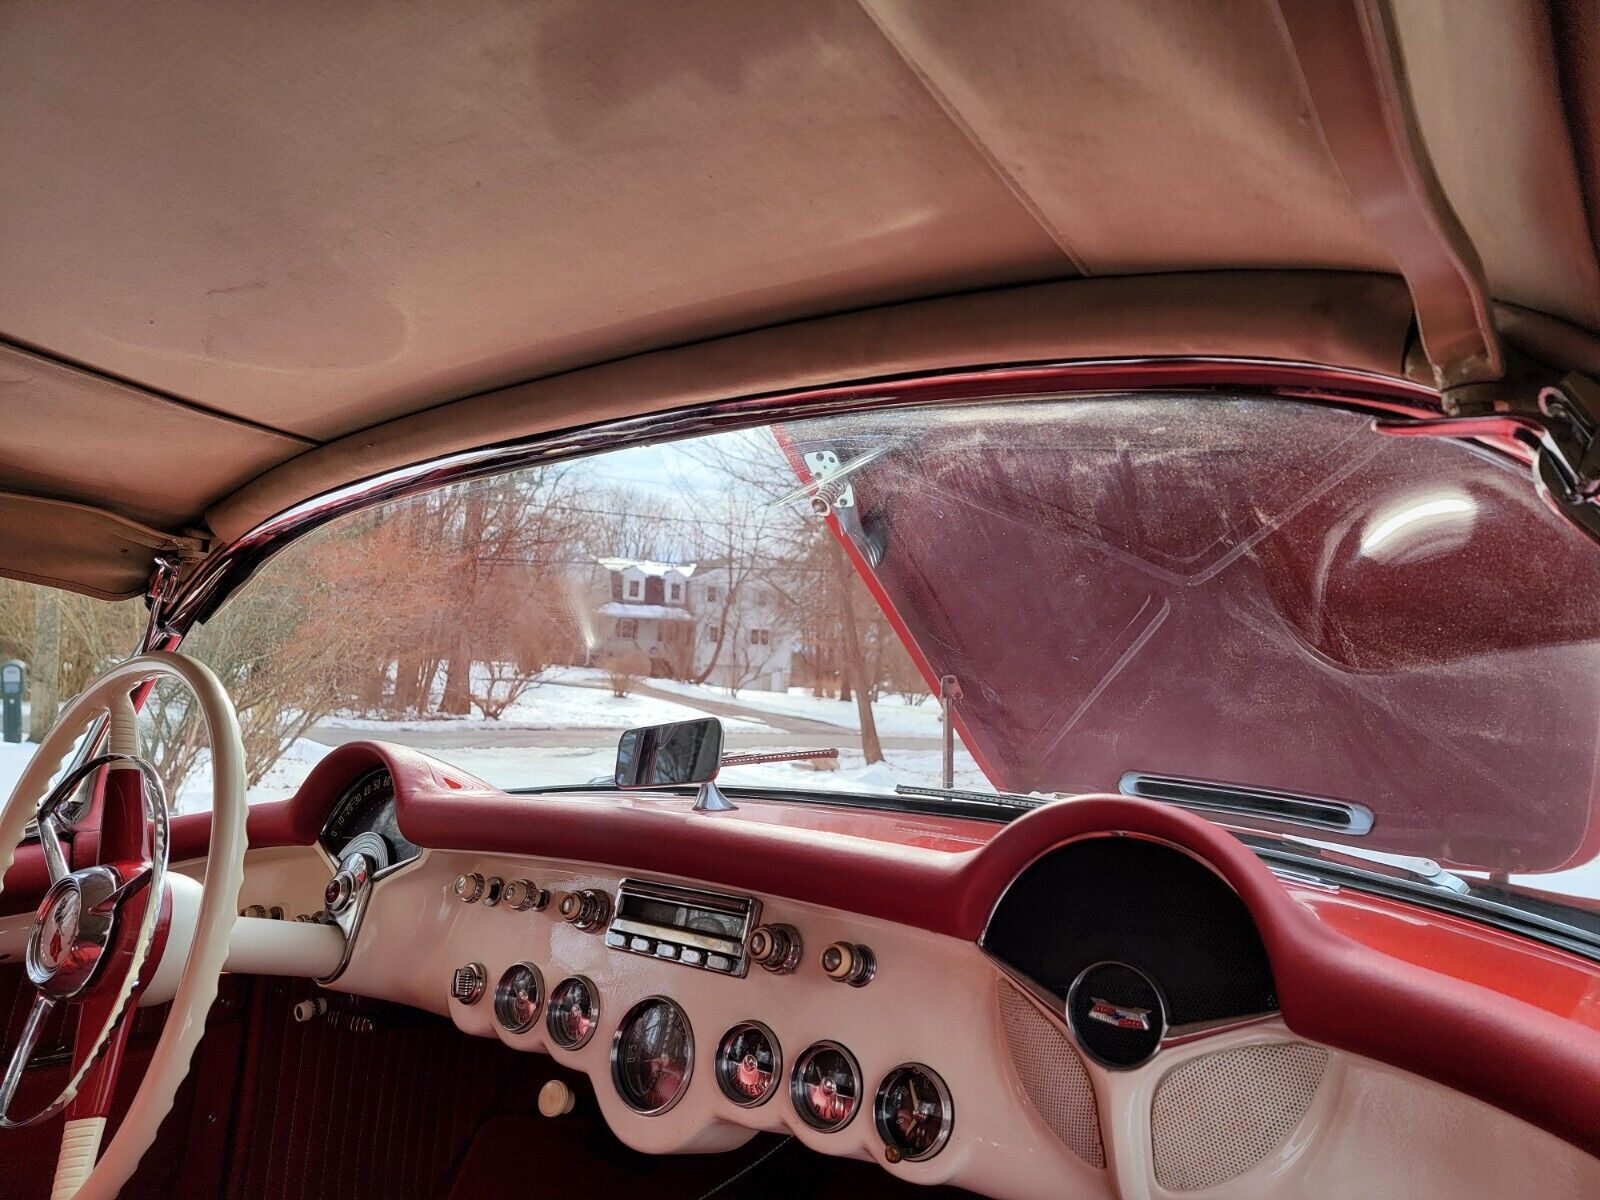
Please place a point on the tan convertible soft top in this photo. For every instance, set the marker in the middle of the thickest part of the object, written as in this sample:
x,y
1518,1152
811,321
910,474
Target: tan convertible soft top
x,y
250,252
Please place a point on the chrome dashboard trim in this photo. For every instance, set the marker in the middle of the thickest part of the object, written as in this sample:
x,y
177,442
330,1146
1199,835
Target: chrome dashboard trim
x,y
224,569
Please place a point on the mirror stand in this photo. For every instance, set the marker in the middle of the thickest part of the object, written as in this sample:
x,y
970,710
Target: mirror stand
x,y
712,799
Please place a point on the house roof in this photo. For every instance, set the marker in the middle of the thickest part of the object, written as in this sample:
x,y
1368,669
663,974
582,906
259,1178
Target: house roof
x,y
646,567
256,252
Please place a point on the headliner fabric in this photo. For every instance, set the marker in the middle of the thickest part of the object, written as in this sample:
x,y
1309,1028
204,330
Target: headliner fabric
x,y
252,230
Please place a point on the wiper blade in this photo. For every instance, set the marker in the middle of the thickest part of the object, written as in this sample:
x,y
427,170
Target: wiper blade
x,y
1267,804
1358,858
999,799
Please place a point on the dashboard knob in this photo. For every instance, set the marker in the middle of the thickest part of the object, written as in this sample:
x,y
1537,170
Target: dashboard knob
x,y
349,879
523,894
849,962
586,908
468,887
556,1099
492,890
776,947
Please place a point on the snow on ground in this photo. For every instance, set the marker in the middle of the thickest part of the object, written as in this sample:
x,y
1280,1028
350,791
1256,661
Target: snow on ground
x,y
559,706
894,717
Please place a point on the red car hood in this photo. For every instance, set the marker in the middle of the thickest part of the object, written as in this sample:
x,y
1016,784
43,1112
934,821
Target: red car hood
x,y
1249,592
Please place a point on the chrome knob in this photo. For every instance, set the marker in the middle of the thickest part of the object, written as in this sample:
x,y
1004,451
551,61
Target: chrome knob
x,y
776,947
349,879
586,908
468,982
849,962
523,894
468,887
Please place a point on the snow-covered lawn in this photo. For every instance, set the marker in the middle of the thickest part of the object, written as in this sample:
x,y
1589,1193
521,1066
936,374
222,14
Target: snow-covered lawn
x,y
894,717
559,706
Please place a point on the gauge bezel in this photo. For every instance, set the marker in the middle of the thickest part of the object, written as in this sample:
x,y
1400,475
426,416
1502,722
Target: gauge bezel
x,y
722,1061
797,1093
502,993
616,1048
947,1111
549,1013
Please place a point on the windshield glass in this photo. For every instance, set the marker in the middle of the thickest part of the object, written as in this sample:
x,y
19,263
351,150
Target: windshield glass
x,y
1229,592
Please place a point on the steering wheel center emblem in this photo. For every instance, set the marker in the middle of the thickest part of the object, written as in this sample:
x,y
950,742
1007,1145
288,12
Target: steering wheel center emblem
x,y
71,931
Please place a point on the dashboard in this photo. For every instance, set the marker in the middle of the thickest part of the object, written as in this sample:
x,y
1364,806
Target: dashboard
x,y
1106,998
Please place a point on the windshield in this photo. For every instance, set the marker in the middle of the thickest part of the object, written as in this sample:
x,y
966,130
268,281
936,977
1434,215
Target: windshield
x,y
1234,592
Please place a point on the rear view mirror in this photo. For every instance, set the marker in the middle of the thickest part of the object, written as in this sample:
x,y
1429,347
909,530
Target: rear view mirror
x,y
669,755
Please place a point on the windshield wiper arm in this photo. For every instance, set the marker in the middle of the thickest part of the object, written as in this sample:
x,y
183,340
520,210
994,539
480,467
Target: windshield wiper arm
x,y
1358,858
1000,799
1267,804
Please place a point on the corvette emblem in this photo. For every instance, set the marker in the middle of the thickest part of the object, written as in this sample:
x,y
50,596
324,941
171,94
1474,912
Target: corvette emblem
x,y
1119,1016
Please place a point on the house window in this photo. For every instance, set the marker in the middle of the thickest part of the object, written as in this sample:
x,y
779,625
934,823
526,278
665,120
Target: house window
x,y
760,637
635,589
676,592
713,595
713,633
628,629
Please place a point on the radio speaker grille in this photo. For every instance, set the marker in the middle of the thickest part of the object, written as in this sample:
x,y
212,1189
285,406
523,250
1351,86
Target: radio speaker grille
x,y
1215,1117
1052,1075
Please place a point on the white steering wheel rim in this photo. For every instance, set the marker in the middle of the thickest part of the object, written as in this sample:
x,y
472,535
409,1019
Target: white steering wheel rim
x,y
219,902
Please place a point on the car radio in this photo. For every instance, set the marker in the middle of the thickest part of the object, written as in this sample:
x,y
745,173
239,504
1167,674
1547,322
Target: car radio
x,y
699,929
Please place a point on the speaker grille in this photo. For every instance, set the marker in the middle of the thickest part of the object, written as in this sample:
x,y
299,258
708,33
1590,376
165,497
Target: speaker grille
x,y
1216,1117
1052,1075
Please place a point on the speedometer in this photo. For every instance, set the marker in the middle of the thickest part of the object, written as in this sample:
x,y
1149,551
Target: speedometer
x,y
368,806
652,1056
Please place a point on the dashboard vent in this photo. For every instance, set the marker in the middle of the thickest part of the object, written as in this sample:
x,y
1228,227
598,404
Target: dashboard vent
x,y
1216,1117
1052,1075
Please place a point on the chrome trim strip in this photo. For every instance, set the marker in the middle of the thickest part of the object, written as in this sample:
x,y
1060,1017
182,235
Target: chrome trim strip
x,y
225,568
1235,800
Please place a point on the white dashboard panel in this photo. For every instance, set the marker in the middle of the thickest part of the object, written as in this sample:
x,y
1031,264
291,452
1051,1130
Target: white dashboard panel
x,y
933,1000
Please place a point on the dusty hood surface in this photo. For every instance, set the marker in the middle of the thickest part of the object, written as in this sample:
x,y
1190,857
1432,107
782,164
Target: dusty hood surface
x,y
1250,592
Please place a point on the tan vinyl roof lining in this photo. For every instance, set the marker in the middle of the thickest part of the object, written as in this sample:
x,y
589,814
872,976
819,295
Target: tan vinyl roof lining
x,y
280,243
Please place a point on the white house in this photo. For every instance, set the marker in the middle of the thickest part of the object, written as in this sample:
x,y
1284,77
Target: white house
x,y
683,620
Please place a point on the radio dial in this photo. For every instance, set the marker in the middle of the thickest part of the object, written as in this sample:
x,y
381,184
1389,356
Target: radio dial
x,y
776,947
585,908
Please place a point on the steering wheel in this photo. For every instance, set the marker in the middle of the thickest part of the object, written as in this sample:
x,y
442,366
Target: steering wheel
x,y
100,931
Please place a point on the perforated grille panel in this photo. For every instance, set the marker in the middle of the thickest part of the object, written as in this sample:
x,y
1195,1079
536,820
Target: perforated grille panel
x,y
1216,1117
1052,1075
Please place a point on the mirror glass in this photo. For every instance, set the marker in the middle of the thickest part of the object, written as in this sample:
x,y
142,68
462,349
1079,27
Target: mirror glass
x,y
664,755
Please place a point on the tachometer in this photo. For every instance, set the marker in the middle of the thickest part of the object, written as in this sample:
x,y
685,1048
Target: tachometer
x,y
748,1064
826,1086
573,1013
517,997
913,1113
652,1056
